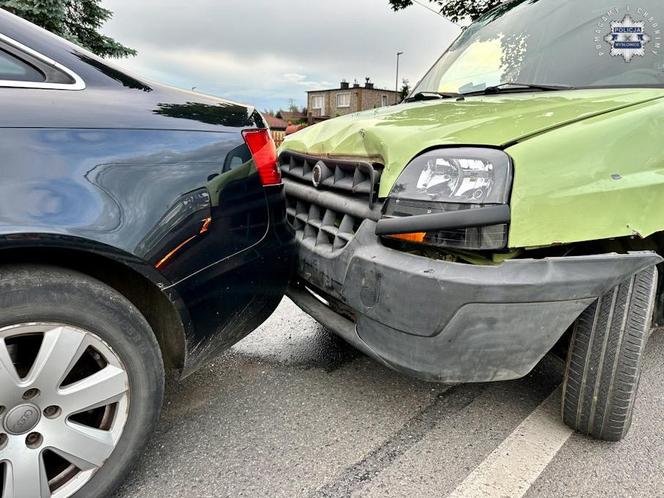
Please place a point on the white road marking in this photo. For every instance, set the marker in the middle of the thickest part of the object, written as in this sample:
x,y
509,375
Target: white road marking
x,y
512,468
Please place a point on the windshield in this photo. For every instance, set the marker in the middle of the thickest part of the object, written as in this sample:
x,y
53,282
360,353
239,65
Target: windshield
x,y
589,43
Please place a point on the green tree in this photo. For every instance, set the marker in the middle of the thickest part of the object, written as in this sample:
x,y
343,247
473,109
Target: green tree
x,y
455,10
78,21
405,90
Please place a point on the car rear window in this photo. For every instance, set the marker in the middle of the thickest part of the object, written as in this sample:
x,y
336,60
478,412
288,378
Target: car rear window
x,y
13,69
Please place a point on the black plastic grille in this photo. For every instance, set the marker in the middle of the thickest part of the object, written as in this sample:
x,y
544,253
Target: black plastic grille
x,y
319,227
327,228
357,177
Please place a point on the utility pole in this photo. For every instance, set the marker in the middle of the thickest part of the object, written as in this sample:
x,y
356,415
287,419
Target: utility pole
x,y
396,85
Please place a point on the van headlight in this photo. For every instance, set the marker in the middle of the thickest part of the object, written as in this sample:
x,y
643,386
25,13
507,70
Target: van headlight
x,y
452,180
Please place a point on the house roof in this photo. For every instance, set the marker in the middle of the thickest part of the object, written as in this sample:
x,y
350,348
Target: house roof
x,y
291,116
275,123
381,90
294,128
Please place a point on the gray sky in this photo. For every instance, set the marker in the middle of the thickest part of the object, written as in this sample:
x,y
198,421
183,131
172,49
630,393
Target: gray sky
x,y
265,52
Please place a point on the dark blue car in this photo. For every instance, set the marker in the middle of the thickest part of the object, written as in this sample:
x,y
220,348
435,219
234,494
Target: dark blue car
x,y
141,228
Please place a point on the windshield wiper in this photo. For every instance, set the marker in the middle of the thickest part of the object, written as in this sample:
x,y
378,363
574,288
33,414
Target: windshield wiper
x,y
420,96
514,86
490,90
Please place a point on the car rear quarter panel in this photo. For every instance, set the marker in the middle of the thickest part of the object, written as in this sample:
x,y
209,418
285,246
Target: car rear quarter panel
x,y
185,208
162,196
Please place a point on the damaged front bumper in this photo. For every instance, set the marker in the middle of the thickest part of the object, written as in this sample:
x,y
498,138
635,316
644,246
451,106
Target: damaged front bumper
x,y
452,322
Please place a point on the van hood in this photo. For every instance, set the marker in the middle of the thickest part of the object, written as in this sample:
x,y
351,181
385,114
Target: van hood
x,y
394,135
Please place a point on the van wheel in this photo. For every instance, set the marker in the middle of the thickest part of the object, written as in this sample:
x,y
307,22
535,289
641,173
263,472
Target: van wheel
x,y
604,359
81,383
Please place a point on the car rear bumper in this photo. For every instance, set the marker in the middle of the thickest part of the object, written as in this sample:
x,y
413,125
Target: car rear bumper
x,y
228,300
453,322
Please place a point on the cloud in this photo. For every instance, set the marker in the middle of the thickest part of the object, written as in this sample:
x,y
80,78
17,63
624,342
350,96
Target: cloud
x,y
295,78
267,52
304,80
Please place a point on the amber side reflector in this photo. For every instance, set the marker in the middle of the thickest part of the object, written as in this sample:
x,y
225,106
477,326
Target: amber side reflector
x,y
172,253
410,237
206,225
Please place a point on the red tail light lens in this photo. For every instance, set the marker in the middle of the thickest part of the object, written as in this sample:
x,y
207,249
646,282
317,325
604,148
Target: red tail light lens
x,y
264,152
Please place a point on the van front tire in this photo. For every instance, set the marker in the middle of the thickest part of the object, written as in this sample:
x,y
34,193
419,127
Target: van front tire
x,y
605,356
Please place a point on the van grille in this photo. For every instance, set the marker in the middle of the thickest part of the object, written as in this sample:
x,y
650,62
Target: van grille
x,y
319,227
326,217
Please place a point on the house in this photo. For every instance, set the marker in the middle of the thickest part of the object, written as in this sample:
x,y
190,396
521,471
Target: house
x,y
326,104
277,128
294,128
292,116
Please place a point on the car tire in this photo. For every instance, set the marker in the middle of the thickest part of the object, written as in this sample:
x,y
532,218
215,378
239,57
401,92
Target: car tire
x,y
112,333
605,356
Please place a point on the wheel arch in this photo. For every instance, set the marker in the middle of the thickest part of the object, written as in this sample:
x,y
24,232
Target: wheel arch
x,y
620,245
166,314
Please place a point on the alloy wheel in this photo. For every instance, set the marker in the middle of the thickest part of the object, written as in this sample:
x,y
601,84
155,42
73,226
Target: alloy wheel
x,y
64,401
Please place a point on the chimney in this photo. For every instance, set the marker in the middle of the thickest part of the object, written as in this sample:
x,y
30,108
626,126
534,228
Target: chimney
x,y
344,85
367,83
356,84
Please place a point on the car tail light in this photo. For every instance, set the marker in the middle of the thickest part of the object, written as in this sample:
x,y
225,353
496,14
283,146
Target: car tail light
x,y
264,152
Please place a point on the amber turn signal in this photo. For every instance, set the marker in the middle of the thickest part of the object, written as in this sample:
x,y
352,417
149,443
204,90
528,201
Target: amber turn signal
x,y
410,237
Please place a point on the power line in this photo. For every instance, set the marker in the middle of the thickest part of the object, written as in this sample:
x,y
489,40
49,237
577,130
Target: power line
x,y
433,10
429,8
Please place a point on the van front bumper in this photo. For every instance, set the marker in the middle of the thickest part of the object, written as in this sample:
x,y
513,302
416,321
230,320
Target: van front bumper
x,y
452,322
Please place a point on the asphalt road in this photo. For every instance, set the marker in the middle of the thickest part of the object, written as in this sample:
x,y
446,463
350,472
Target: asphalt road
x,y
293,411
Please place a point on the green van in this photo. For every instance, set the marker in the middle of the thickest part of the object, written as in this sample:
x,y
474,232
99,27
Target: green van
x,y
512,205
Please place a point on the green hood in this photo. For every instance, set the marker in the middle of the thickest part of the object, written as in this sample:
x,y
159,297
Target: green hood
x,y
393,136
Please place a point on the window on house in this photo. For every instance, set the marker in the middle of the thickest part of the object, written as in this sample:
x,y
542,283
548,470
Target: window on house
x,y
317,102
343,100
384,101
13,69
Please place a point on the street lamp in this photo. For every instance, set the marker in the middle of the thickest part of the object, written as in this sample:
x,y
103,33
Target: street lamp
x,y
396,86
